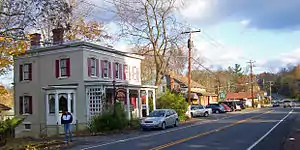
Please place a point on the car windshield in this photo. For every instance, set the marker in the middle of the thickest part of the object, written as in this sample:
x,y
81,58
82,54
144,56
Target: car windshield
x,y
157,113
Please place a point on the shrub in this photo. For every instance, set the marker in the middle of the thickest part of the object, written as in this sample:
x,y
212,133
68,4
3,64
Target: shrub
x,y
134,123
173,101
7,126
114,118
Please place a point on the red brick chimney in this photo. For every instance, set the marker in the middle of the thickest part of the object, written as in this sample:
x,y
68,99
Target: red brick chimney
x,y
35,39
58,35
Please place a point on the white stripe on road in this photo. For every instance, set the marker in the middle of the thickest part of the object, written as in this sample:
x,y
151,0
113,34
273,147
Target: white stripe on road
x,y
264,136
163,132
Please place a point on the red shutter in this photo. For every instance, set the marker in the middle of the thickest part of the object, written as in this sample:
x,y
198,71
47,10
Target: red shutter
x,y
97,68
89,66
114,70
30,71
109,69
120,71
30,104
102,68
21,72
124,71
68,67
21,105
57,68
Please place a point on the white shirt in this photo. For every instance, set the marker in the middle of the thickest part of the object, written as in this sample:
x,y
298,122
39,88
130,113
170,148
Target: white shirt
x,y
66,117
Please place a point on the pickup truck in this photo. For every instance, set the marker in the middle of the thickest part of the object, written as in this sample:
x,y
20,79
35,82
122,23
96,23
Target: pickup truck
x,y
198,110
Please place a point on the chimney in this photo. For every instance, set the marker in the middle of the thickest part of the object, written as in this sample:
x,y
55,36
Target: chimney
x,y
35,39
58,35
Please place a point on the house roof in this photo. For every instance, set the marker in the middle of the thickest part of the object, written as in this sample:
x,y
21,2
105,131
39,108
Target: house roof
x,y
240,95
86,44
184,80
4,107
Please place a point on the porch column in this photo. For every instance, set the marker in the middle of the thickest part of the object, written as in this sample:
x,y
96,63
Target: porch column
x,y
140,104
47,105
74,108
69,102
147,102
128,104
154,100
57,108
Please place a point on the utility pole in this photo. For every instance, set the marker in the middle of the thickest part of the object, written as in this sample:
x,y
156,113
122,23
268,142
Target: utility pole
x,y
251,79
270,88
190,44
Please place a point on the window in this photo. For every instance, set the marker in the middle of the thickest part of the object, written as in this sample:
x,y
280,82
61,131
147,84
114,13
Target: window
x,y
117,69
25,105
63,67
105,69
27,126
134,73
93,67
51,100
25,72
62,102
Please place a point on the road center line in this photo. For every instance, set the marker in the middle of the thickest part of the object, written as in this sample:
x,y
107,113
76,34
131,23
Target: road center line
x,y
163,132
206,133
264,136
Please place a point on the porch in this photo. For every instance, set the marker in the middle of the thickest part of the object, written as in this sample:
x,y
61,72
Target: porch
x,y
135,99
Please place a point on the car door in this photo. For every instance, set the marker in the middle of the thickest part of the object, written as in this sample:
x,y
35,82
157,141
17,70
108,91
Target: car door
x,y
201,110
168,117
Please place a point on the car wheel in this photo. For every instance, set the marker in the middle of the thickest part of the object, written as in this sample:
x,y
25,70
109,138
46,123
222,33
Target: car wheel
x,y
163,126
176,123
217,111
192,115
206,114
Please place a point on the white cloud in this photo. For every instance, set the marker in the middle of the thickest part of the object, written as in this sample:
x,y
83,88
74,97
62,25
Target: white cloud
x,y
216,56
245,22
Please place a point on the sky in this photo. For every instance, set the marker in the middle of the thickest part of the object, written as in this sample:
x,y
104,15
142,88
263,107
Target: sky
x,y
232,31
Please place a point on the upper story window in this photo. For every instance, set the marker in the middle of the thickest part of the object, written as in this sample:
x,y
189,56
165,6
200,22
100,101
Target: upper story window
x,y
25,72
117,71
63,67
106,69
93,67
135,73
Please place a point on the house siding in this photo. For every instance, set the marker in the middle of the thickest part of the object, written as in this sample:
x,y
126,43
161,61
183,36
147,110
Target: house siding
x,y
44,74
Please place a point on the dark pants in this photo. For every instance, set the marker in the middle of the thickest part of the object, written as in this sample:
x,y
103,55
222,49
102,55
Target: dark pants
x,y
68,130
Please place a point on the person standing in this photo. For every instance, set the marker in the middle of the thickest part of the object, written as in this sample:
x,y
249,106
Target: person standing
x,y
66,120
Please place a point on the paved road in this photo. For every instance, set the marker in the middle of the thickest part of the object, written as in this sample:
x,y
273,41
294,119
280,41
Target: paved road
x,y
221,131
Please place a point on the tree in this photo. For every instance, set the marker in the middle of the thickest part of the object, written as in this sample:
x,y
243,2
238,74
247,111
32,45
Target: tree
x,y
18,17
151,24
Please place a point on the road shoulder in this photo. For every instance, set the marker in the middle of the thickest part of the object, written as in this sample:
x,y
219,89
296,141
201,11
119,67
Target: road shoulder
x,y
292,142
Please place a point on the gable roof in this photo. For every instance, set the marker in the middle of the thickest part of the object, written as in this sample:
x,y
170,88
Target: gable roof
x,y
184,80
240,95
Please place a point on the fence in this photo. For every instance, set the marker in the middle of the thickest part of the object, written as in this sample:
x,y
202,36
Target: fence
x,y
57,130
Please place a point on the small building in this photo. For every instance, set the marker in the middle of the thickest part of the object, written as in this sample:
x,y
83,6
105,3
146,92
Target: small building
x,y
245,96
79,77
179,83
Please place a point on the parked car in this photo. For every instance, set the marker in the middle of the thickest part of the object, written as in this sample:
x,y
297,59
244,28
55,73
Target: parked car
x,y
288,103
232,104
227,108
241,104
275,104
160,118
198,110
216,108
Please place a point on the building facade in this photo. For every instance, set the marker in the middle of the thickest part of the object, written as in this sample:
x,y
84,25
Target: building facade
x,y
79,77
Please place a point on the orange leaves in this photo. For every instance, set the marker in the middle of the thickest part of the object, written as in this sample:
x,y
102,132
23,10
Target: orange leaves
x,y
9,48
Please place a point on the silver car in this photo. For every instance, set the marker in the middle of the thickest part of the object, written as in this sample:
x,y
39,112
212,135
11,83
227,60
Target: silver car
x,y
160,118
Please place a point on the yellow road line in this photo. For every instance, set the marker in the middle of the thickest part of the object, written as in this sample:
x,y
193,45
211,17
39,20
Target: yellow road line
x,y
206,133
